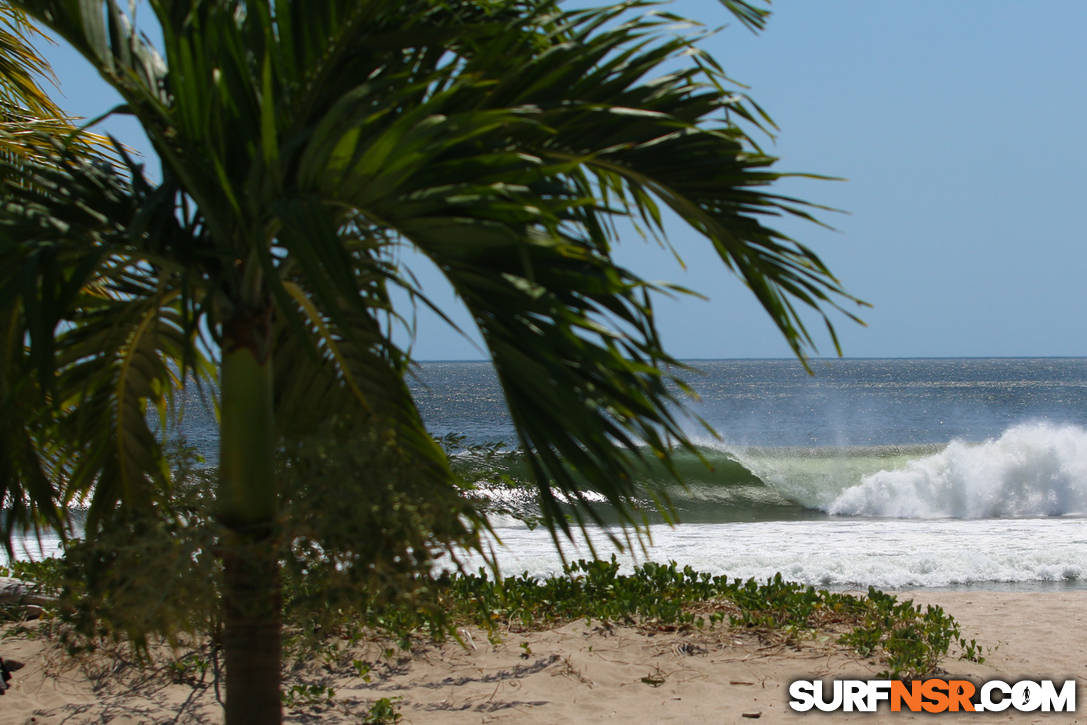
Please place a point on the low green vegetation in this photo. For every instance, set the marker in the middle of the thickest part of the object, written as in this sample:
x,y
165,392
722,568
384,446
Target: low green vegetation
x,y
46,574
908,639
905,638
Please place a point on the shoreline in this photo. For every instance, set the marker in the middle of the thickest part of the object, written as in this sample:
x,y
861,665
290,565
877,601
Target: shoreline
x,y
575,673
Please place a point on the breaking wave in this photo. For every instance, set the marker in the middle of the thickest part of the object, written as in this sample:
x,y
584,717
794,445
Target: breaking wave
x,y
1031,470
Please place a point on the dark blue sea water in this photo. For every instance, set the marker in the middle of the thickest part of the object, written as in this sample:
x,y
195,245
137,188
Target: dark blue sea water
x,y
843,402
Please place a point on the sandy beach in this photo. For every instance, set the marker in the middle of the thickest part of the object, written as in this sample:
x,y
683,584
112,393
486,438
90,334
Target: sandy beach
x,y
574,673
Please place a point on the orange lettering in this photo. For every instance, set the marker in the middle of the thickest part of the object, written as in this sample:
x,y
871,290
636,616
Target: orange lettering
x,y
934,691
959,694
910,695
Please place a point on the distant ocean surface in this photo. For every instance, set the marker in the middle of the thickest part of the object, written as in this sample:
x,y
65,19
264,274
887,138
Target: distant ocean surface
x,y
894,473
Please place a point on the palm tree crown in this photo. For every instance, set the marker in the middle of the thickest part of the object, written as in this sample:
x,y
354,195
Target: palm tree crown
x,y
301,145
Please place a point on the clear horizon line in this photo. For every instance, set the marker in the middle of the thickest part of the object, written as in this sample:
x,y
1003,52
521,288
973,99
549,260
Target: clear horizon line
x,y
820,358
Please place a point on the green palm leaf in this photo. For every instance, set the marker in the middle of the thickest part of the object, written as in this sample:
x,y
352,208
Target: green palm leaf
x,y
302,144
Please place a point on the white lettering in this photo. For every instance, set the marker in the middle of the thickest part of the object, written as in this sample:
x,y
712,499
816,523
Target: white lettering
x,y
1063,701
835,702
987,702
802,693
854,695
878,690
1026,696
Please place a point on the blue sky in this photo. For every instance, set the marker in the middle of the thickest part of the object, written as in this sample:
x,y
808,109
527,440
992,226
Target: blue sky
x,y
959,129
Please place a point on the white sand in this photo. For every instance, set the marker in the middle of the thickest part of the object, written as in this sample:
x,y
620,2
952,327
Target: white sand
x,y
577,674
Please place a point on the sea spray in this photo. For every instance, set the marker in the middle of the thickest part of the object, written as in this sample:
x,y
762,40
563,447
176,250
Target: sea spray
x,y
1032,469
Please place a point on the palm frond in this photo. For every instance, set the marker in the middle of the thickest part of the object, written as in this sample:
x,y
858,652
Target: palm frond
x,y
122,354
28,463
22,68
103,327
511,181
300,143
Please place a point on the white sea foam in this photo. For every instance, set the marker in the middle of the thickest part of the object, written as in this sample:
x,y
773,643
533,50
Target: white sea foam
x,y
847,552
30,546
1035,469
842,552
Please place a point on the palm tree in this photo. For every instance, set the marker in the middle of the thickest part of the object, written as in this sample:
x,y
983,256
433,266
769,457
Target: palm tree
x,y
303,144
24,105
30,121
30,124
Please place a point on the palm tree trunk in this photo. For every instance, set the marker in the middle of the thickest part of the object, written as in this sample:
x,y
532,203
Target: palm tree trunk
x,y
247,501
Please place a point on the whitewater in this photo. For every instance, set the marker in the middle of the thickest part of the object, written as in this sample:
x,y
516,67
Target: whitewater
x,y
890,473
1005,512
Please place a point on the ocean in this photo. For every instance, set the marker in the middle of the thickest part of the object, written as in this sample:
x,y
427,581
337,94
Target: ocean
x,y
894,473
